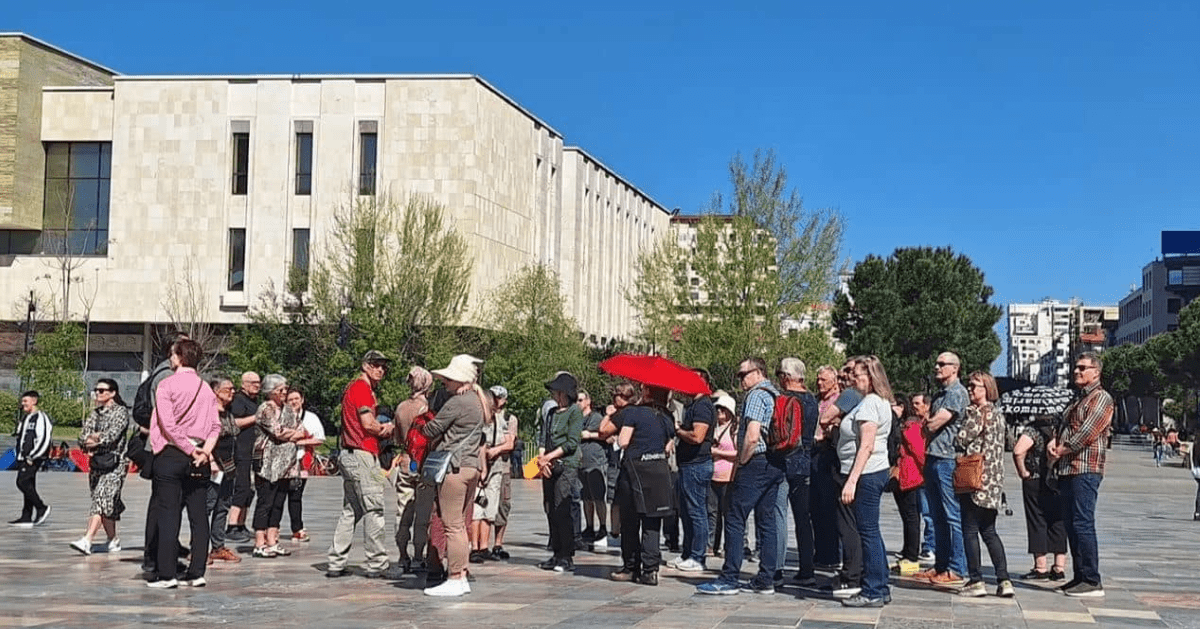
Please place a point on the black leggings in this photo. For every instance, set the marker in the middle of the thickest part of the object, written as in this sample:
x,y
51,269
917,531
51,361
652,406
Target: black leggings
x,y
295,502
909,505
268,511
980,522
847,527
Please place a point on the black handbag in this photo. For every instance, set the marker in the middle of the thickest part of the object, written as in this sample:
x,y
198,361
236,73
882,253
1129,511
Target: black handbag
x,y
105,462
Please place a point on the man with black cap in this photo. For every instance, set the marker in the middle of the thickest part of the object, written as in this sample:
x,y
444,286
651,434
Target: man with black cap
x,y
362,482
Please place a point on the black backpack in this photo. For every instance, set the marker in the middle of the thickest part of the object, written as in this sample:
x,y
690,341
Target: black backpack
x,y
143,400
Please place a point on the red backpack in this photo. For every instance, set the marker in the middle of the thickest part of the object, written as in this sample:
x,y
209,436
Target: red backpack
x,y
787,423
417,443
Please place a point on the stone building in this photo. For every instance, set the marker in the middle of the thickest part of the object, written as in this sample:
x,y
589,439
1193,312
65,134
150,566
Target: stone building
x,y
227,181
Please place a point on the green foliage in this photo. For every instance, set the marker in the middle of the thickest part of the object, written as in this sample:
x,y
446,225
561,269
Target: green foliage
x,y
54,368
1166,366
913,305
534,338
391,277
10,411
714,299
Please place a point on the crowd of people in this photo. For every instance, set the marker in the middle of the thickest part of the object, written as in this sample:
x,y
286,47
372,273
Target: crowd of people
x,y
649,466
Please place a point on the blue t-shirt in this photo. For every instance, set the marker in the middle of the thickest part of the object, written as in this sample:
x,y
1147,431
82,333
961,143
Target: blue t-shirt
x,y
953,398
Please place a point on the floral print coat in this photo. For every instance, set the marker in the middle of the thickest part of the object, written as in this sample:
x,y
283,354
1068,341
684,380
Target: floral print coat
x,y
982,432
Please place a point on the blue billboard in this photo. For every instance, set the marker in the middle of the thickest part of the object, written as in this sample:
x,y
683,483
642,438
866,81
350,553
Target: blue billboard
x,y
1175,243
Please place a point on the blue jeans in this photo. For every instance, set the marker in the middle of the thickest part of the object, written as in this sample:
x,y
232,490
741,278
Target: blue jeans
x,y
947,520
694,479
927,542
781,526
755,488
866,510
1079,493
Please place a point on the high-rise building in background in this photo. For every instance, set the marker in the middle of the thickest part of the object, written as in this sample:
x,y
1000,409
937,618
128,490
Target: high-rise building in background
x,y
1168,284
1044,338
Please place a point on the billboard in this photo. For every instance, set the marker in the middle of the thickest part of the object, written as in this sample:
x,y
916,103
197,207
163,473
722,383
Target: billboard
x,y
1175,243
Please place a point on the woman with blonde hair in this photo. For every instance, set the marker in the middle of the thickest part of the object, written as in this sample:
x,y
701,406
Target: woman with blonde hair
x,y
982,431
863,453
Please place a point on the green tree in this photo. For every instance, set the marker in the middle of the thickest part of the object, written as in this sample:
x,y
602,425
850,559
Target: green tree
x,y
911,306
54,369
716,294
534,338
390,277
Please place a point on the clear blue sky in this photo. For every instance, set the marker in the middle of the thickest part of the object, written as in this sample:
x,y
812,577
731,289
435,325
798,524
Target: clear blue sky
x,y
1049,141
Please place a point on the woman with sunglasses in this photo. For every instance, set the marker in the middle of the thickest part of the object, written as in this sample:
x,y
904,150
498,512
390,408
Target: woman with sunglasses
x,y
104,433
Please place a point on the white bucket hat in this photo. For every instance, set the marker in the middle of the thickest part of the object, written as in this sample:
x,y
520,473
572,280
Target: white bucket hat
x,y
461,369
726,402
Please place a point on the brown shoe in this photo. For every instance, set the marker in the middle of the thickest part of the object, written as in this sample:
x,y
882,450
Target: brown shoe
x,y
948,579
624,574
925,575
223,554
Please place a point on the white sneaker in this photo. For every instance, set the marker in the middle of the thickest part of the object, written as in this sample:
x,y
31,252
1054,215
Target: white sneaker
x,y
114,545
198,582
451,587
166,584
83,545
601,543
689,565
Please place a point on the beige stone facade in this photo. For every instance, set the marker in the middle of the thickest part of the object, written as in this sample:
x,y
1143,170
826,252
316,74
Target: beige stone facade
x,y
509,183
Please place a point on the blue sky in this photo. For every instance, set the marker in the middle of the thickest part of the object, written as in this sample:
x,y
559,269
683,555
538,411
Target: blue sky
x,y
1049,141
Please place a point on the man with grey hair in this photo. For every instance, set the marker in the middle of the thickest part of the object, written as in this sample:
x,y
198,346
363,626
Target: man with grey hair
x,y
945,415
798,469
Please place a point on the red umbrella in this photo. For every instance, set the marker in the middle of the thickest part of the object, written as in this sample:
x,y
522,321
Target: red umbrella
x,y
656,371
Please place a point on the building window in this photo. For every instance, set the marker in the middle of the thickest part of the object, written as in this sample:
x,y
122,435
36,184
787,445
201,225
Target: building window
x,y
241,162
1173,305
18,242
299,272
1175,277
75,211
304,158
237,260
367,142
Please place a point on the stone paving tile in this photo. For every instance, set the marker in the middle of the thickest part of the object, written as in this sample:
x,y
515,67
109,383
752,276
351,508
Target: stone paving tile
x,y
44,584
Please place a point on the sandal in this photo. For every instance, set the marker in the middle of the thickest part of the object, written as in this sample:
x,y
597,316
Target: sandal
x,y
264,552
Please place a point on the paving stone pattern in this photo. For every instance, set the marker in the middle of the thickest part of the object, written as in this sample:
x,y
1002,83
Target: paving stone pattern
x,y
1148,543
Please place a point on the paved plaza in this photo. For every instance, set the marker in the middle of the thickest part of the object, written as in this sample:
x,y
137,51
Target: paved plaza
x,y
1148,543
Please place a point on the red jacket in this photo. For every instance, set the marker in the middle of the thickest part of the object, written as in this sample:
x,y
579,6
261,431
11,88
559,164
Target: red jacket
x,y
911,461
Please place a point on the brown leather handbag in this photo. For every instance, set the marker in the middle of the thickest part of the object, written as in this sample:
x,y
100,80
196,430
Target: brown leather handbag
x,y
968,473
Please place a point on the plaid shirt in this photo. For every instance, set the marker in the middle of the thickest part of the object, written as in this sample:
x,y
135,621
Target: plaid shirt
x,y
758,407
1082,430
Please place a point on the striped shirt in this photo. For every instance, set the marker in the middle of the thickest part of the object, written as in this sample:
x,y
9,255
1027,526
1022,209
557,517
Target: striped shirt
x,y
1082,430
758,407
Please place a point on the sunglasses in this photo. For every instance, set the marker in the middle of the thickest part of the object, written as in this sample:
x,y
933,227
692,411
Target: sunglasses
x,y
100,390
743,374
941,364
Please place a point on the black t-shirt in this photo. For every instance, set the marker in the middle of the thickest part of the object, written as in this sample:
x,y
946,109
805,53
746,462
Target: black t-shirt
x,y
701,411
244,406
651,430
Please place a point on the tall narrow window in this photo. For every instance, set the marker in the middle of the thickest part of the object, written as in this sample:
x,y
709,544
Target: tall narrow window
x,y
304,159
241,162
367,142
298,277
75,208
237,259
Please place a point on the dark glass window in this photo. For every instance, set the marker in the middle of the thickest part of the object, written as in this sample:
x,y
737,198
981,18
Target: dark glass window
x,y
366,163
241,162
304,158
14,241
1174,304
300,259
237,259
75,209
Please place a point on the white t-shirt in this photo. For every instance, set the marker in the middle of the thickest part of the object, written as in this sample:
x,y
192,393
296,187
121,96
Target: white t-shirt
x,y
872,409
312,425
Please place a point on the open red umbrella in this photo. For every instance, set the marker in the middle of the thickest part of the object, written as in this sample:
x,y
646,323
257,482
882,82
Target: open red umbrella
x,y
656,371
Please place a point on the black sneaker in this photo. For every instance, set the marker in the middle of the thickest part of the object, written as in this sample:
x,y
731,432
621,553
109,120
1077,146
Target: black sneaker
x,y
391,573
588,535
1069,584
499,553
648,578
1057,575
1086,590
549,564
601,534
1035,575
754,587
477,556
336,574
565,565
804,582
41,515
23,522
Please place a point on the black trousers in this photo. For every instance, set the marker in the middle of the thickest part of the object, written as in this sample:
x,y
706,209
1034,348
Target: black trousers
x,y
718,506
558,493
27,485
1043,519
670,524
175,487
823,504
799,496
640,550
847,527
979,522
268,510
295,503
908,503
